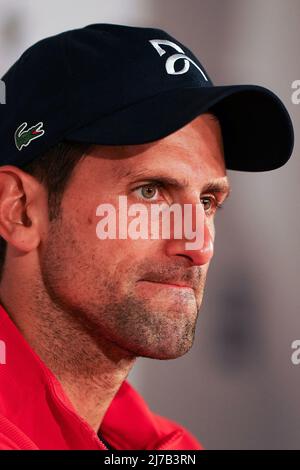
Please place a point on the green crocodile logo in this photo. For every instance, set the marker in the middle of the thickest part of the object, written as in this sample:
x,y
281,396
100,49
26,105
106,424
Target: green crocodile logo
x,y
24,136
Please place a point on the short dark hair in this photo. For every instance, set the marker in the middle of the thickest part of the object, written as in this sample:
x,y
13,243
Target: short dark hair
x,y
53,169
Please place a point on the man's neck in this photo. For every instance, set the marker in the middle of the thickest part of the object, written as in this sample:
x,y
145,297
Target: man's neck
x,y
90,369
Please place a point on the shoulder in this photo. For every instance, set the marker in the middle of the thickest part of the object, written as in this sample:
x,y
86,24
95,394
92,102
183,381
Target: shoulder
x,y
12,438
145,429
177,434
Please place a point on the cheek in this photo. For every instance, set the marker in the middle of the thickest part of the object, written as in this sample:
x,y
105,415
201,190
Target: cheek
x,y
76,271
121,259
97,239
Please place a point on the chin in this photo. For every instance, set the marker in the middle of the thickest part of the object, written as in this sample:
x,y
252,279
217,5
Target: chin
x,y
167,353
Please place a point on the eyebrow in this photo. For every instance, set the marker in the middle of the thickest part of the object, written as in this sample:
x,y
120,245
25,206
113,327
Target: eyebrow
x,y
217,186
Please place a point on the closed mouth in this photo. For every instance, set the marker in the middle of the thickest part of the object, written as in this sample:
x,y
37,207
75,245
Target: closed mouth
x,y
170,284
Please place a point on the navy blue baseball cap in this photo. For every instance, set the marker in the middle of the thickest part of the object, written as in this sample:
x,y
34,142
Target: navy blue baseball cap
x,y
114,84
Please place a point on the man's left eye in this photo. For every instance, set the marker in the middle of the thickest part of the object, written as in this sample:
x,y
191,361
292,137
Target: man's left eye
x,y
210,204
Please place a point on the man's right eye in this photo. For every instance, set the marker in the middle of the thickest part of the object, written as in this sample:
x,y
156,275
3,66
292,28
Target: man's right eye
x,y
147,191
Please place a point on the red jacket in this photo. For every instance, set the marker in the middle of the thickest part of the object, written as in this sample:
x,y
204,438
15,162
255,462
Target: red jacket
x,y
35,413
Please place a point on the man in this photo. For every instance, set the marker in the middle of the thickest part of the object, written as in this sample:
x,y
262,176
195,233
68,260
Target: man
x,y
94,115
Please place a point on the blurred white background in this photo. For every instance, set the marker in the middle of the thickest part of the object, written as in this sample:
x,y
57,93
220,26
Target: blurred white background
x,y
237,387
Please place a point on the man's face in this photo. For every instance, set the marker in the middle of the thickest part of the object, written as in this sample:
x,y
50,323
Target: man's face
x,y
142,295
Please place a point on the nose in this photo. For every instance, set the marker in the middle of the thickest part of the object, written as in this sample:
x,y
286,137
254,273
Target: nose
x,y
199,255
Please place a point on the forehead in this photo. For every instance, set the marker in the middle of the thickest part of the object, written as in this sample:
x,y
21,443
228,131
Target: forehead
x,y
194,151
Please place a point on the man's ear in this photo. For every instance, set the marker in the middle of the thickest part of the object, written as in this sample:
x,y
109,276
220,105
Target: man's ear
x,y
21,211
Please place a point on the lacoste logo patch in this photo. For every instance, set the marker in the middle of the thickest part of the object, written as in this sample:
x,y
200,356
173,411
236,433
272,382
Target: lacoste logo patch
x,y
24,136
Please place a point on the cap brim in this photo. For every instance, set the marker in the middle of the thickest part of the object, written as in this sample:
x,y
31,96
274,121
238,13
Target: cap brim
x,y
256,127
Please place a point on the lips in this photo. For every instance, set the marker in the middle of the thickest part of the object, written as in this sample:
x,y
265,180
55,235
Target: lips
x,y
171,283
